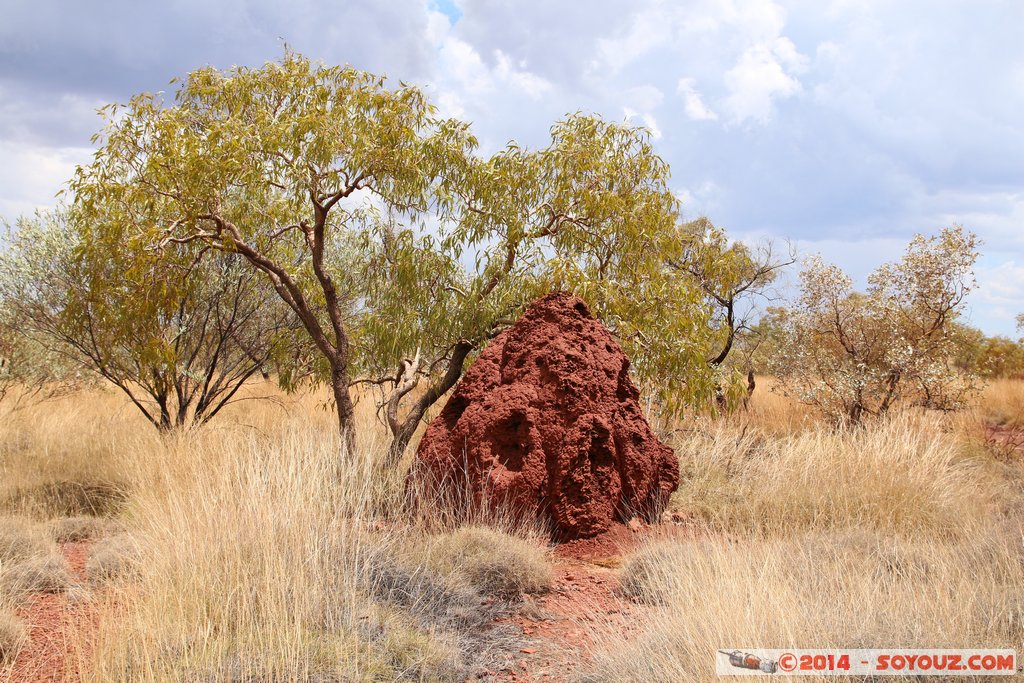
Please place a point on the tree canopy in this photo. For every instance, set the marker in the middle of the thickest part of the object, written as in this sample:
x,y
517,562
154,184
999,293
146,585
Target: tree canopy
x,y
399,248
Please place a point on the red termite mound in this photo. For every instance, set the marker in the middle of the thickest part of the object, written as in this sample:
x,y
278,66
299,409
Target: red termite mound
x,y
547,420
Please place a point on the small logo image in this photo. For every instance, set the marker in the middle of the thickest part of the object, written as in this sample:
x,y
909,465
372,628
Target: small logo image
x,y
745,660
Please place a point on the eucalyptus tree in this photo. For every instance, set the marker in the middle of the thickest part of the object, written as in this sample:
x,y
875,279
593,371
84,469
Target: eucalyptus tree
x,y
268,163
399,248
589,213
732,275
179,331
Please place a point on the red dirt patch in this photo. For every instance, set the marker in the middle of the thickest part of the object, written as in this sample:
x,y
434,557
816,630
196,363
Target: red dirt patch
x,y
1006,442
584,602
548,422
604,549
562,624
55,623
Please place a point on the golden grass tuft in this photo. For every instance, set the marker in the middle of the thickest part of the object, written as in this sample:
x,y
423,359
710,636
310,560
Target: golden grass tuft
x,y
493,562
29,560
22,538
113,559
12,636
900,475
858,588
37,574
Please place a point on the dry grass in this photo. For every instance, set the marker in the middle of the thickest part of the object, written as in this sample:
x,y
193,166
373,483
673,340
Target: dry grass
x,y
37,574
851,589
12,636
993,427
774,413
21,538
80,528
1002,403
493,562
899,534
253,550
29,561
903,475
65,457
113,559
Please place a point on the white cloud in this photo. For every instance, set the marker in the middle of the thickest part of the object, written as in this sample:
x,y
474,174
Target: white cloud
x,y
648,120
763,74
699,199
463,75
649,30
999,297
31,176
532,85
641,102
644,97
693,103
464,68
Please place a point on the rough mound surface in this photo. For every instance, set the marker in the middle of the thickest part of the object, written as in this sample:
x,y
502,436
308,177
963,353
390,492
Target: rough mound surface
x,y
547,420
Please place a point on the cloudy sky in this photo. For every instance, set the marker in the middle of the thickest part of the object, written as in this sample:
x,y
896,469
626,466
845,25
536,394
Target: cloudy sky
x,y
843,125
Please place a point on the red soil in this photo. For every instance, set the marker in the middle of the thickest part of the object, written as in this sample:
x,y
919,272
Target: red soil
x,y
56,624
547,421
1006,442
583,603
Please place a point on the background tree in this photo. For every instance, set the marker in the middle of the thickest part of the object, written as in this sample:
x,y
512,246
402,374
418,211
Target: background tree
x,y
855,354
989,357
178,331
732,277
29,373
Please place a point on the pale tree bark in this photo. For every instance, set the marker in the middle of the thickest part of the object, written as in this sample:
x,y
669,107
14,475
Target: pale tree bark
x,y
406,380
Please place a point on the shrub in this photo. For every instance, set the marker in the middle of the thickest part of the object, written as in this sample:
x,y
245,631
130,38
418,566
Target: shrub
x,y
853,355
29,560
493,562
645,573
47,573
112,559
21,538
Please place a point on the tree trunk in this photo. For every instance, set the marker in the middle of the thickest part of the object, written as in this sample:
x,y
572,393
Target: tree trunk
x,y
400,441
751,385
402,431
165,424
345,408
856,412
